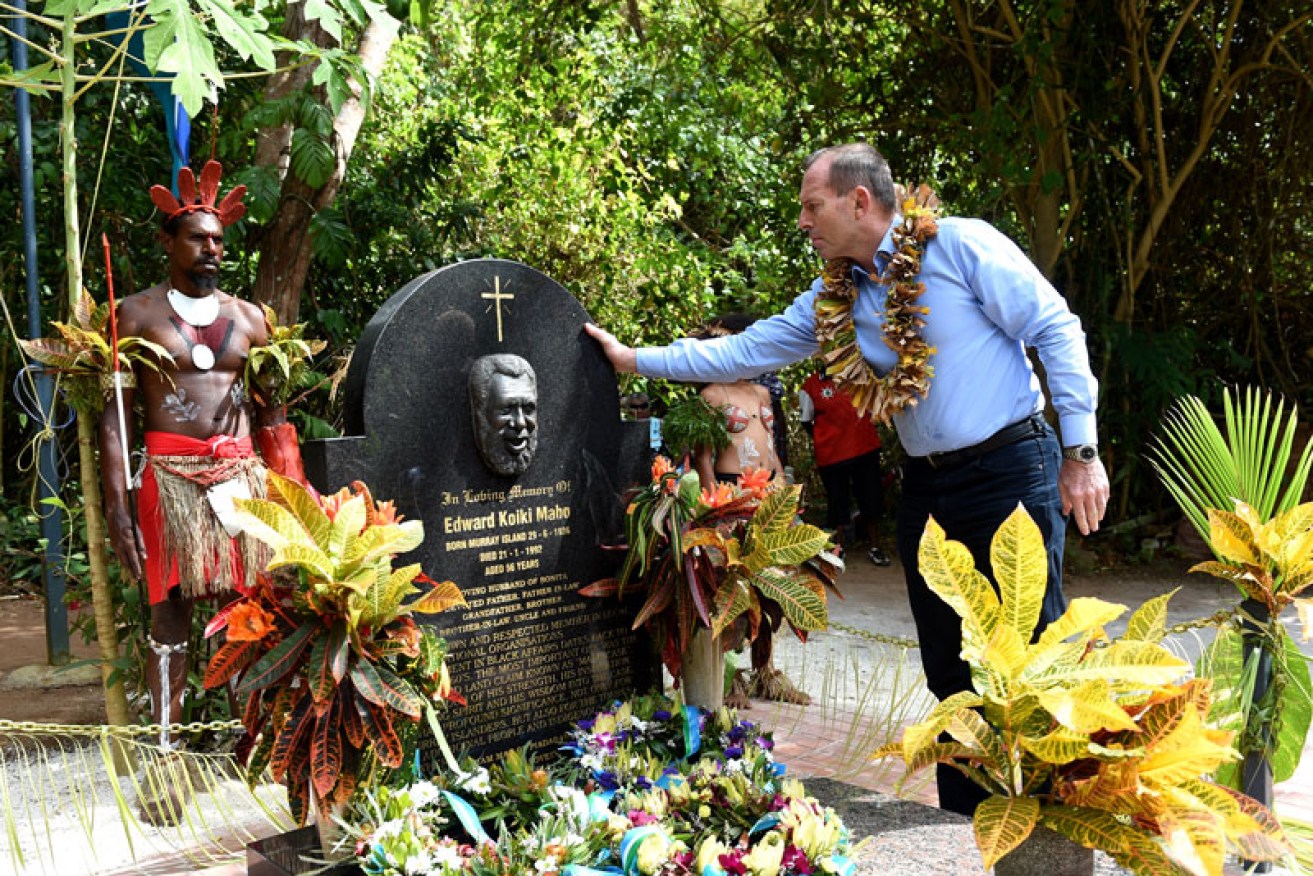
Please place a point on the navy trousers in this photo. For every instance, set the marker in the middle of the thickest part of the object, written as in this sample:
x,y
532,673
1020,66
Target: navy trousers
x,y
970,501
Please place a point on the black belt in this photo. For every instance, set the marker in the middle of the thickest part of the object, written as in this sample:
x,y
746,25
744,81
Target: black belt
x,y
1032,425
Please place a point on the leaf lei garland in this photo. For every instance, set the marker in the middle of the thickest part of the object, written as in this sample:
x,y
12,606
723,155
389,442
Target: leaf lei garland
x,y
909,380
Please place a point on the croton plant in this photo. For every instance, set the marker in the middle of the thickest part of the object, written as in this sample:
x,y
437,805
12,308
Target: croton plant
x,y
335,672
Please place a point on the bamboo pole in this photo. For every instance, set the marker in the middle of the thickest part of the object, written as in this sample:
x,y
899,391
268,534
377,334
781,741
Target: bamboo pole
x,y
102,597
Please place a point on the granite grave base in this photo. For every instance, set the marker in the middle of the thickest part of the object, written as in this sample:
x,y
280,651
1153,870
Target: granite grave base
x,y
291,854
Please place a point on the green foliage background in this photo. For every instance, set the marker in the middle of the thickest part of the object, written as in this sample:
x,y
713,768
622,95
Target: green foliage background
x,y
646,155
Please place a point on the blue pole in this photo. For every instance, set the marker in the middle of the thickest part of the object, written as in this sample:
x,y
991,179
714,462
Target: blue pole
x,y
52,523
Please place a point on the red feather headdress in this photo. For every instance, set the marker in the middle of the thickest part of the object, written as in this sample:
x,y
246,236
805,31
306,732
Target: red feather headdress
x,y
200,198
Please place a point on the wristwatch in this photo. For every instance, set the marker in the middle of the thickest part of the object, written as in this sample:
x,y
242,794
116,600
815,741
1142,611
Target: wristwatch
x,y
1086,453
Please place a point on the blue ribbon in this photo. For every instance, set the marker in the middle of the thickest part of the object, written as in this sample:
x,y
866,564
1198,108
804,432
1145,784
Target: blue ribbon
x,y
633,838
765,823
692,731
843,866
469,819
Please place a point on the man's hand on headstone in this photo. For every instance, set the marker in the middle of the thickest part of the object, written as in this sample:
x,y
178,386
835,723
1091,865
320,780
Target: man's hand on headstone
x,y
623,359
1084,490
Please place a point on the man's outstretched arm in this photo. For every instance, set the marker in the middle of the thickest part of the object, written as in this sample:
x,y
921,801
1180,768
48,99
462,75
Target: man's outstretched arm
x,y
623,359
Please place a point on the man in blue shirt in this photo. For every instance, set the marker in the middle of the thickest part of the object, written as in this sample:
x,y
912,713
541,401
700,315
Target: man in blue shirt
x,y
978,443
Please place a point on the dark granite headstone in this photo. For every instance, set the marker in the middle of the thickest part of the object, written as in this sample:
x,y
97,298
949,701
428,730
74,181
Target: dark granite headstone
x,y
528,653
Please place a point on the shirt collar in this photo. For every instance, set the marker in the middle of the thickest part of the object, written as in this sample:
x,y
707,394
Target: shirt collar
x,y
883,252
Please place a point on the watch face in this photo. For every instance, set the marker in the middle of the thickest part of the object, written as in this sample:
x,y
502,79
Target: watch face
x,y
1088,453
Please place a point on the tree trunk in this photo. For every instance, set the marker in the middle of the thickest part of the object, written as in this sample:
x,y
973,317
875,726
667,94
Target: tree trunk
x,y
285,248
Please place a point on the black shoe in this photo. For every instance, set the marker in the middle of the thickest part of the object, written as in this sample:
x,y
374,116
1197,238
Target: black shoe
x,y
878,558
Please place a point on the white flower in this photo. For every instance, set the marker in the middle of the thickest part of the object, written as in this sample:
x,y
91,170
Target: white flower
x,y
419,864
638,724
422,794
591,761
733,766
477,781
447,857
389,829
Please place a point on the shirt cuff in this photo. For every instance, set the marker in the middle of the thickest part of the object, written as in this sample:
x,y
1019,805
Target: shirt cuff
x,y
647,361
1078,429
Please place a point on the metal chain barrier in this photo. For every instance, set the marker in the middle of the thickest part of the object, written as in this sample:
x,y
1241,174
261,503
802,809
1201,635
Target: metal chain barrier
x,y
1219,619
38,728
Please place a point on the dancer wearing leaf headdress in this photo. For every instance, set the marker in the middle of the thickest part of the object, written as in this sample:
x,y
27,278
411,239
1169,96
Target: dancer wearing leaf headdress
x,y
199,422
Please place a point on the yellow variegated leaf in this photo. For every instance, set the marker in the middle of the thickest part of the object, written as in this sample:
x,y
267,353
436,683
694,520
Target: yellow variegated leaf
x,y
732,599
967,727
950,572
1005,652
1131,663
347,523
802,607
1086,708
918,736
1294,552
1252,580
1149,623
703,537
1113,788
1193,841
440,597
303,556
1084,613
1021,569
51,352
1059,747
270,523
297,499
1052,662
1231,537
1091,828
777,509
794,545
1189,751
379,542
1001,824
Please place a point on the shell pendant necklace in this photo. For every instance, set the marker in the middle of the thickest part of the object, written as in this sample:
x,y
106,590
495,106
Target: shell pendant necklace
x,y
197,313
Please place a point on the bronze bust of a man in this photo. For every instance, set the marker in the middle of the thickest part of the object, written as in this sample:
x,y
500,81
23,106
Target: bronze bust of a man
x,y
504,404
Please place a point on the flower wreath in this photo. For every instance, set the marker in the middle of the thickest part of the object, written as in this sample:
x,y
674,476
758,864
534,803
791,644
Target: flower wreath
x,y
909,380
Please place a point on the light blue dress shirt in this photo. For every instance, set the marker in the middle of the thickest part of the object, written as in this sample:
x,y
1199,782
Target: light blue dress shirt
x,y
988,303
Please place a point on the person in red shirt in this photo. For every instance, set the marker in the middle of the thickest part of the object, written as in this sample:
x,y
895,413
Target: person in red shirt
x,y
847,458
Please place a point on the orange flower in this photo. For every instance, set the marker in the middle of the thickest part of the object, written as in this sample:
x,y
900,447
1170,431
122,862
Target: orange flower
x,y
249,622
756,480
723,494
661,467
386,513
333,503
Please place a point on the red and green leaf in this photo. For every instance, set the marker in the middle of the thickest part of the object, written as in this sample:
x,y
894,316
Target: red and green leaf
x,y
383,688
326,750
280,662
378,726
230,659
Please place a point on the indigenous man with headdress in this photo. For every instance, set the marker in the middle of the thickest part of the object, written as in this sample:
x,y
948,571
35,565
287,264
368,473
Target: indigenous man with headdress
x,y
199,419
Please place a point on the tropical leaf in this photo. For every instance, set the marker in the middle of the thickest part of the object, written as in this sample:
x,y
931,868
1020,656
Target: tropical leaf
x,y
1086,708
288,743
319,671
303,556
52,353
387,745
292,496
792,546
326,750
1232,538
950,572
1003,823
777,510
1058,747
967,727
919,736
227,662
378,542
1149,622
804,609
1020,565
279,662
657,601
1189,751
270,523
1131,663
440,597
382,687
347,523
1294,705
732,599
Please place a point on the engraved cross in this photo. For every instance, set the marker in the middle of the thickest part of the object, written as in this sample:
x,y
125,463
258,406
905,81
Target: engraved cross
x,y
498,296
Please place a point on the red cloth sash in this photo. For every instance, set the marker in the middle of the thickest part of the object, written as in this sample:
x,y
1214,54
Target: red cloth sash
x,y
160,578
